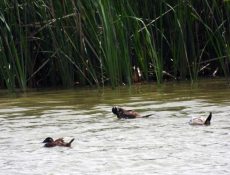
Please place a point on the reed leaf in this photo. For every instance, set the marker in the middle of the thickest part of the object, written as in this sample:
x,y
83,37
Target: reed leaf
x,y
99,42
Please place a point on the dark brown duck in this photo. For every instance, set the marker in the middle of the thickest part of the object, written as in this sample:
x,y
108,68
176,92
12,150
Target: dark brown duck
x,y
50,142
127,114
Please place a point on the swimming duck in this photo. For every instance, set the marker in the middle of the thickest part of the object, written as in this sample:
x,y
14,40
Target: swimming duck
x,y
127,114
200,121
50,142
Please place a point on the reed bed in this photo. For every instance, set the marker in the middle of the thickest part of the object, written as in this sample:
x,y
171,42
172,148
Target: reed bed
x,y
50,43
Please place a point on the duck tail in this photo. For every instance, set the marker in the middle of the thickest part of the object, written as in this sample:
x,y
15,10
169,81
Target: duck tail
x,y
69,144
146,116
208,120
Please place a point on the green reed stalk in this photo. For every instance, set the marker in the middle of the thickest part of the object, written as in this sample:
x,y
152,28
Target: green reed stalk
x,y
5,67
181,20
109,43
98,42
13,55
219,41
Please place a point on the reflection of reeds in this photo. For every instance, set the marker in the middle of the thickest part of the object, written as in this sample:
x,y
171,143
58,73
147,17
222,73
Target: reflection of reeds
x,y
100,42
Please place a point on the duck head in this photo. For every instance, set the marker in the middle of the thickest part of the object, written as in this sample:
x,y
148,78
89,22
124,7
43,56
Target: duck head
x,y
115,110
48,140
118,112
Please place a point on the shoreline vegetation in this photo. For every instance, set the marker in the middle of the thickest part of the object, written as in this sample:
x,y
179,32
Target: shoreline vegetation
x,y
99,42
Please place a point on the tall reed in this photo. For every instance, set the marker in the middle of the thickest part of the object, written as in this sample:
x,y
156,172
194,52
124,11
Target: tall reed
x,y
100,42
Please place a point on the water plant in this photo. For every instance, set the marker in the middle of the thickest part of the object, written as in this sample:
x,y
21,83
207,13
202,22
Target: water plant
x,y
99,42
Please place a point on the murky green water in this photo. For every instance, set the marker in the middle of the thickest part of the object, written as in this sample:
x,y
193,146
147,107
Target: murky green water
x,y
162,144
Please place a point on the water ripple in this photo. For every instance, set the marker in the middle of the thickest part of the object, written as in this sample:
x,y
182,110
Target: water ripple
x,y
161,144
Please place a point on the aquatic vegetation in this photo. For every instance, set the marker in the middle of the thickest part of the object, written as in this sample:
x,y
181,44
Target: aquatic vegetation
x,y
99,42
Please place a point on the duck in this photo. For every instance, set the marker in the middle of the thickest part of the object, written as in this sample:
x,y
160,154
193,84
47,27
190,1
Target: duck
x,y
200,121
50,142
127,114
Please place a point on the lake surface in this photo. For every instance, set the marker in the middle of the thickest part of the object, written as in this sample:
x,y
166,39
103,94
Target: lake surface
x,y
163,144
